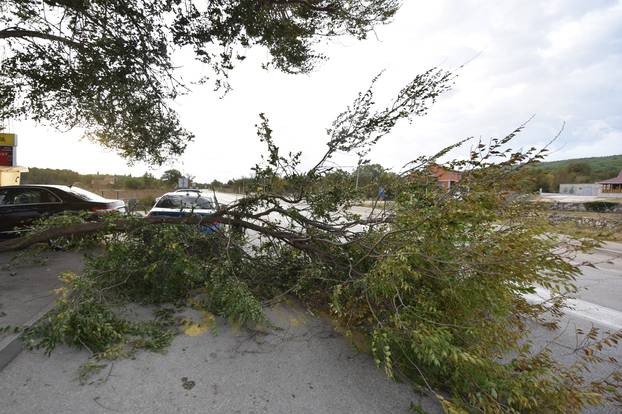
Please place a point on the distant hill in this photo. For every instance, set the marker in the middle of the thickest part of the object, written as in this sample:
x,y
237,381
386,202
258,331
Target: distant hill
x,y
550,174
600,167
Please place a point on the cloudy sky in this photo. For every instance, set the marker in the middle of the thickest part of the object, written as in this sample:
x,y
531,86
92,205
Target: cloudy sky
x,y
560,60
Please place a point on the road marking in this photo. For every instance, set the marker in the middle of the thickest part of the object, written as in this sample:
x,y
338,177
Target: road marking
x,y
583,309
616,254
615,272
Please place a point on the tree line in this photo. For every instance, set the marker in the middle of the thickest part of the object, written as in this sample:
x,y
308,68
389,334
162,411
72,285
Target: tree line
x,y
168,180
367,180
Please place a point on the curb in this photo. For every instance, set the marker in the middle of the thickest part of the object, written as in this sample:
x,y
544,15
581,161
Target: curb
x,y
12,345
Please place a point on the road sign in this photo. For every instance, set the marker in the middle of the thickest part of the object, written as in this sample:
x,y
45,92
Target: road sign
x,y
8,139
182,182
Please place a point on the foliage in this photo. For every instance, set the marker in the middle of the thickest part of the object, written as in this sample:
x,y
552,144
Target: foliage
x,y
61,220
147,181
437,285
158,265
152,264
446,305
600,206
608,166
80,318
53,176
170,264
371,177
107,66
171,177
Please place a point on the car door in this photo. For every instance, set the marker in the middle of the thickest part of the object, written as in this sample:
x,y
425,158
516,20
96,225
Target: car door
x,y
7,220
29,204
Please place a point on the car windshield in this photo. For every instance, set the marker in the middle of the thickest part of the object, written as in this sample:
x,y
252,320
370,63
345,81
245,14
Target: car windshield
x,y
85,195
185,201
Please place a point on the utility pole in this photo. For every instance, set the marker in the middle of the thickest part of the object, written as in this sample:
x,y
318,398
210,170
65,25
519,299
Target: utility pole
x,y
358,170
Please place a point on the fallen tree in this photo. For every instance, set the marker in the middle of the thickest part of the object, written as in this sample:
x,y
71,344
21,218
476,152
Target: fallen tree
x,y
437,284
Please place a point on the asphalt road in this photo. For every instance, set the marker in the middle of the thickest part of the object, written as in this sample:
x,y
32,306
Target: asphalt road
x,y
598,304
306,366
27,282
303,367
601,285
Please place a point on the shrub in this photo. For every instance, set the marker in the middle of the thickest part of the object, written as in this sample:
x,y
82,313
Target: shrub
x,y
600,206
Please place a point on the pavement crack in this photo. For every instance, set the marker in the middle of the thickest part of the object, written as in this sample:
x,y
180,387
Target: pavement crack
x,y
96,400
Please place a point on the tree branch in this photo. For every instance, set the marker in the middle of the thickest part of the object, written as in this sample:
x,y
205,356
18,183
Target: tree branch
x,y
23,33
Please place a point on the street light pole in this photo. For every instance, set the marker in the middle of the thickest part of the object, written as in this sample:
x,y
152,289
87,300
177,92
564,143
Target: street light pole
x,y
358,170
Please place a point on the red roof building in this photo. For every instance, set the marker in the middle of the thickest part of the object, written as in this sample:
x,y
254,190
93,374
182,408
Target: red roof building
x,y
612,185
445,178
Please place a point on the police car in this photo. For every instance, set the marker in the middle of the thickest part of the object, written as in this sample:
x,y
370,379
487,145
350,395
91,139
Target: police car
x,y
186,203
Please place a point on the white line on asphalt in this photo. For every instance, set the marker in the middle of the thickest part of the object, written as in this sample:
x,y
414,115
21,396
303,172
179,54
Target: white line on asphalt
x,y
583,309
615,272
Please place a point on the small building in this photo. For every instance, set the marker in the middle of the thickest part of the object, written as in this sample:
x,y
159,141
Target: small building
x,y
612,185
11,175
580,189
445,178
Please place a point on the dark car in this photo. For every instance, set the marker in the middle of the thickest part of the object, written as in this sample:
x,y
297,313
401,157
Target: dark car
x,y
20,205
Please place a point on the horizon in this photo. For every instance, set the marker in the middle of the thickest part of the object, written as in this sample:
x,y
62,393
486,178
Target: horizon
x,y
250,175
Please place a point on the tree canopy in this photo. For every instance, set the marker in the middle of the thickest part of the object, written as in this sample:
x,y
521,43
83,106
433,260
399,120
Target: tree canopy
x,y
108,67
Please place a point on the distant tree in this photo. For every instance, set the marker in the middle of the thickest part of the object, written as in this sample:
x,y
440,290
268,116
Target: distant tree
x,y
133,183
171,177
369,172
50,176
106,66
579,168
371,177
149,181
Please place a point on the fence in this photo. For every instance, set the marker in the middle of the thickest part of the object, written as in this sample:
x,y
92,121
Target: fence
x,y
131,194
141,200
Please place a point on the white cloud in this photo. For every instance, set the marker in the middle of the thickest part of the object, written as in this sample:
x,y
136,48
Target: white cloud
x,y
557,59
586,34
